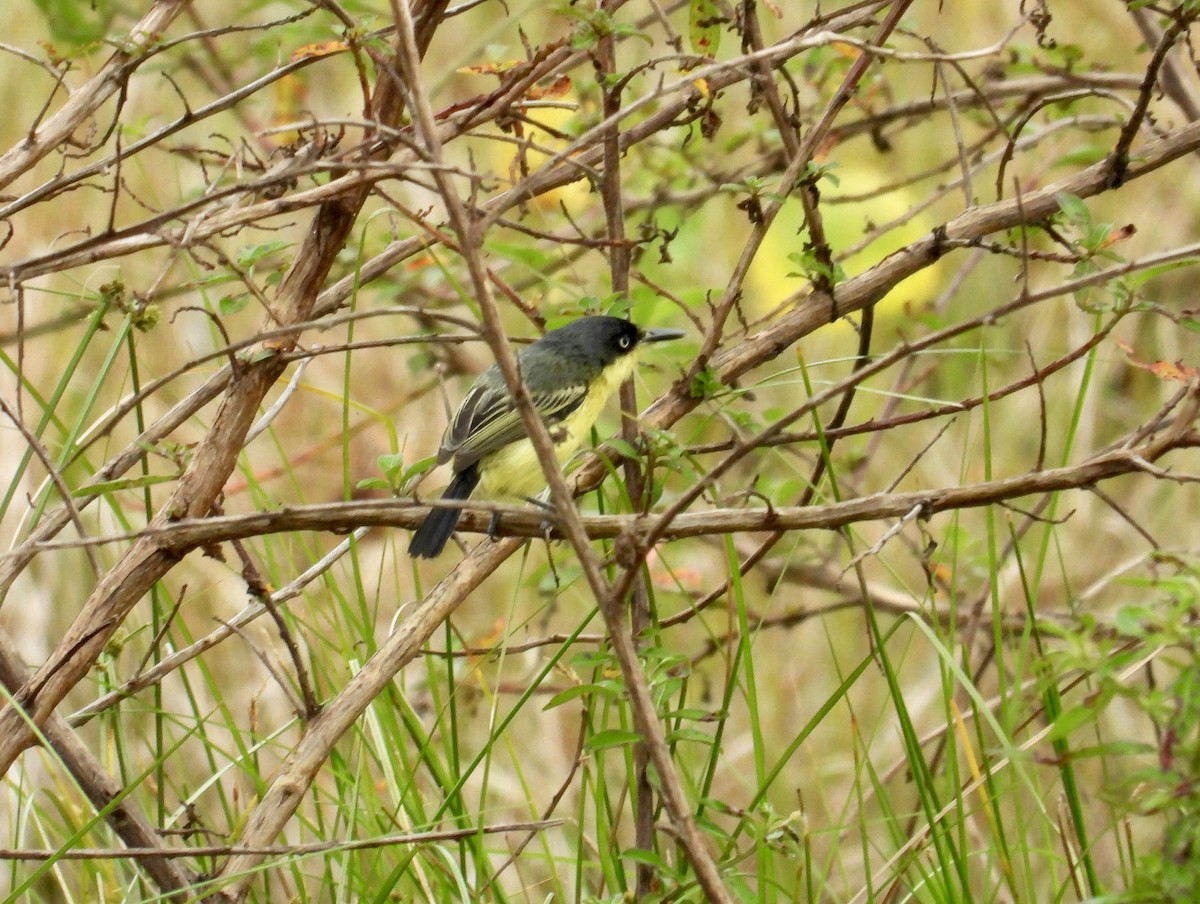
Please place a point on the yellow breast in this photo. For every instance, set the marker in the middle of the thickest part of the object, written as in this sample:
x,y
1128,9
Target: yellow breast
x,y
515,470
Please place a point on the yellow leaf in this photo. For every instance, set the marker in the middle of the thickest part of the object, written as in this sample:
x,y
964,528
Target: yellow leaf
x,y
319,50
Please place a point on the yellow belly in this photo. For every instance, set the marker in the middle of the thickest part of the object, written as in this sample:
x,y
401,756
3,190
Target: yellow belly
x,y
515,470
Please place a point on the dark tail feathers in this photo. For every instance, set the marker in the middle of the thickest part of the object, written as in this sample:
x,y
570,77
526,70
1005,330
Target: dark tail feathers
x,y
430,538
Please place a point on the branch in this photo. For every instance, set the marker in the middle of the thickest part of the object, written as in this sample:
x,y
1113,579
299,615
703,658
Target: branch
x,y
89,97
341,517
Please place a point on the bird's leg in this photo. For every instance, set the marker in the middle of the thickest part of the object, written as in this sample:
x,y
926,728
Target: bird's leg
x,y
543,502
547,528
553,567
493,526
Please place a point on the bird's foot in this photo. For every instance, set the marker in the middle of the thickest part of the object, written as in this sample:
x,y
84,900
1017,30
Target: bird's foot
x,y
546,528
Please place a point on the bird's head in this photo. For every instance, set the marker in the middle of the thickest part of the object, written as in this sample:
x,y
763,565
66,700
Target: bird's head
x,y
602,340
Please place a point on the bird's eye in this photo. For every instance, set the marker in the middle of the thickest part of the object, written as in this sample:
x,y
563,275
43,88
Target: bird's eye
x,y
624,342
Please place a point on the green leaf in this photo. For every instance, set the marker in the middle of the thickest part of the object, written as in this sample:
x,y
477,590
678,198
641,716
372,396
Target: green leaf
x,y
612,737
262,354
391,465
689,734
215,279
638,855
77,22
1074,209
1083,156
1132,620
419,364
591,659
398,477
420,466
813,268
1071,720
1116,749
1141,277
248,257
581,690
533,258
704,27
232,304
621,447
694,714
706,384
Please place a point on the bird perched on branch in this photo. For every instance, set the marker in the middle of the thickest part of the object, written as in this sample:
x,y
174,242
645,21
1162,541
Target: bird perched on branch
x,y
569,374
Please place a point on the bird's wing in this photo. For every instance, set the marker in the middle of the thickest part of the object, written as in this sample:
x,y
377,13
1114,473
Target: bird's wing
x,y
488,420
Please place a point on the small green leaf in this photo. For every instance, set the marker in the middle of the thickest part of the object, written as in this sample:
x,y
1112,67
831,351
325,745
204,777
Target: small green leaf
x,y
1141,277
1066,55
399,478
1132,620
420,364
232,304
1083,156
693,714
248,257
420,466
706,384
638,855
704,27
1115,749
814,269
580,690
689,734
391,464
215,279
76,22
262,354
612,737
591,659
1074,209
1071,720
533,258
621,447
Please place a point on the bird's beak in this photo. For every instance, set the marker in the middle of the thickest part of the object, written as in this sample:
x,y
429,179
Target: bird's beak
x,y
662,335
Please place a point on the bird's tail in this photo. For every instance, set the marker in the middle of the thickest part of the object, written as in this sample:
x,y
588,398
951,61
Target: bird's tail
x,y
430,538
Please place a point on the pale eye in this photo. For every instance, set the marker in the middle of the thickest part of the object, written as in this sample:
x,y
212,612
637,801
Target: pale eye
x,y
624,342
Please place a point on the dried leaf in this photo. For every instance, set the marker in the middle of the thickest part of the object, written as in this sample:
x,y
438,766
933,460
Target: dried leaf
x,y
1119,235
319,50
559,87
491,68
1176,372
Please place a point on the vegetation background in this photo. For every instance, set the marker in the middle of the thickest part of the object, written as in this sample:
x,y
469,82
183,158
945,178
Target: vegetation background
x,y
911,610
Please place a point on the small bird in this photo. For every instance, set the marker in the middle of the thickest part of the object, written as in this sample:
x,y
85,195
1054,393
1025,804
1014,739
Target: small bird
x,y
569,374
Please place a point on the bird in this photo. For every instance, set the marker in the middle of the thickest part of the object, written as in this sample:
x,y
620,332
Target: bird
x,y
569,374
